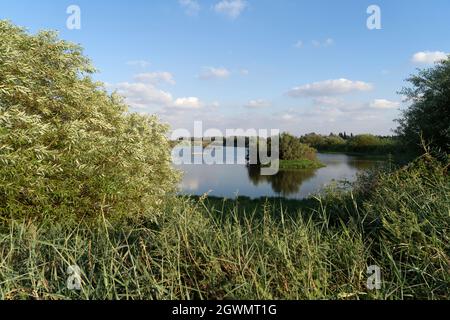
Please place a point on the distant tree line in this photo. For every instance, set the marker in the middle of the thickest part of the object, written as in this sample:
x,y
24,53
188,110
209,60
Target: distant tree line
x,y
425,123
342,142
305,147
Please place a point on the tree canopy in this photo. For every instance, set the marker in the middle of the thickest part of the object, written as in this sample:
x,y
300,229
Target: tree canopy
x,y
428,116
66,145
291,148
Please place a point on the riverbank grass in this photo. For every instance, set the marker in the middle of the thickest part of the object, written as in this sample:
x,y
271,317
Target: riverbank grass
x,y
300,164
201,250
303,164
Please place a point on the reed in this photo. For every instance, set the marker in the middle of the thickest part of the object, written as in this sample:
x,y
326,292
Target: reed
x,y
200,249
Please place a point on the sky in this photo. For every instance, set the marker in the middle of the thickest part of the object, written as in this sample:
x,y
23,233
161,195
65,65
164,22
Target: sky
x,y
294,65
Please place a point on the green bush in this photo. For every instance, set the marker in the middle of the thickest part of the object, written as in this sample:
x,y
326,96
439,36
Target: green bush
x,y
428,116
221,249
67,147
314,140
334,142
292,149
364,143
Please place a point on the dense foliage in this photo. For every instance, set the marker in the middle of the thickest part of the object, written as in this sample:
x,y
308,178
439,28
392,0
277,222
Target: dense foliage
x,y
364,143
67,147
292,149
260,250
428,116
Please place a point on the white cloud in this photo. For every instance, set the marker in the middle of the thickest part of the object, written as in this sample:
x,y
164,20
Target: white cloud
x,y
287,117
384,104
245,72
187,103
349,107
143,95
257,104
299,120
214,73
191,7
429,57
329,88
138,63
231,8
155,77
328,101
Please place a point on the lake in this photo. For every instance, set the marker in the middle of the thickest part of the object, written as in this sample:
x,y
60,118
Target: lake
x,y
229,181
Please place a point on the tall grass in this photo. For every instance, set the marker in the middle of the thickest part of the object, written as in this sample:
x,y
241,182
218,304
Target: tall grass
x,y
200,250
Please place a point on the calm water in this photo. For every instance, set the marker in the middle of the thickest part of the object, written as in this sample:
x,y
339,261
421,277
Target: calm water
x,y
239,180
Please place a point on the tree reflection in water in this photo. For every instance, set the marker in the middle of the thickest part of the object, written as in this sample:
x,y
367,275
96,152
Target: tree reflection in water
x,y
285,183
362,165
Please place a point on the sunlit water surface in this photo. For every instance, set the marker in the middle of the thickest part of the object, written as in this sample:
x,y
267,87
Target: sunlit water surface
x,y
234,180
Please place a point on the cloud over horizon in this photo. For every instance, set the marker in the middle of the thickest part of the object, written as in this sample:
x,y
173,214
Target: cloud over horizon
x,y
187,103
144,94
329,88
258,104
429,57
384,104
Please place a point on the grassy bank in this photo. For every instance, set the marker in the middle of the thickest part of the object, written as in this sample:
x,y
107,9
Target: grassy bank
x,y
84,182
203,249
299,164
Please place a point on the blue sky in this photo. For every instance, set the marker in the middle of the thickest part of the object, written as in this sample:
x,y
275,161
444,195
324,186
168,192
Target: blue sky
x,y
294,65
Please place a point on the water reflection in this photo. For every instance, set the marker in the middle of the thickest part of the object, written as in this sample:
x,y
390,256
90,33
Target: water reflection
x,y
285,183
239,180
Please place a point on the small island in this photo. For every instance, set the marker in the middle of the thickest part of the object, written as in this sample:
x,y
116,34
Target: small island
x,y
302,164
295,155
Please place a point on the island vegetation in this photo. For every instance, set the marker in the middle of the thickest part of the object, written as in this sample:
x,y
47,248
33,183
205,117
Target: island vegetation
x,y
301,152
295,155
363,144
84,182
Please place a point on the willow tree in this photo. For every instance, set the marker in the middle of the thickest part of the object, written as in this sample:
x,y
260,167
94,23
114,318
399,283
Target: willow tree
x,y
428,116
291,148
67,146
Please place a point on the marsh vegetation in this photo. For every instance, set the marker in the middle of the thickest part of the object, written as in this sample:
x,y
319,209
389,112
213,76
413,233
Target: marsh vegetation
x,y
83,182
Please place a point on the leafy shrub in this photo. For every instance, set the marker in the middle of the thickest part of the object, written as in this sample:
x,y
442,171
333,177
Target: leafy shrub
x,y
292,149
428,116
332,142
67,147
364,143
314,140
